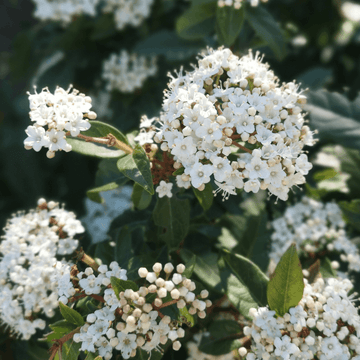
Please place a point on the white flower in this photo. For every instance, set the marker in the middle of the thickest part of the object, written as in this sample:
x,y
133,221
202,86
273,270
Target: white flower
x,y
284,347
36,138
127,72
164,189
200,174
302,165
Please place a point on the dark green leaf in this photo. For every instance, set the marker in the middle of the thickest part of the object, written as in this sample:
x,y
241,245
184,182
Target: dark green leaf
x,y
286,287
205,197
71,315
326,270
70,350
266,27
335,117
140,197
137,168
189,267
351,212
104,27
350,164
251,289
121,285
174,215
221,339
197,22
229,21
98,129
123,248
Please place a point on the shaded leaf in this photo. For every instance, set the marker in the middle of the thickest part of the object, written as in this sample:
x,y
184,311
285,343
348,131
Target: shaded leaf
x,y
121,285
71,315
286,287
326,270
140,197
205,197
229,23
351,212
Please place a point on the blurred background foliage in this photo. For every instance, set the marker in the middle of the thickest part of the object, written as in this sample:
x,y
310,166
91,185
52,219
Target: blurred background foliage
x,y
315,42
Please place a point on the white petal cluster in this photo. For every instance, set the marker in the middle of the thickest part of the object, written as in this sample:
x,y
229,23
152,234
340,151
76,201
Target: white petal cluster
x,y
325,326
128,12
127,72
64,10
315,227
238,3
230,119
164,189
195,354
133,320
29,267
55,114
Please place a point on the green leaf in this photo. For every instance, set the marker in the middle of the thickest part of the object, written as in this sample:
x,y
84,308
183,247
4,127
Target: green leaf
x,y
62,326
189,318
326,270
221,338
104,27
325,174
121,285
206,271
93,356
205,197
174,215
168,43
286,287
71,315
123,248
189,267
136,166
229,21
252,282
98,129
197,22
351,212
94,194
266,27
70,350
140,197
335,117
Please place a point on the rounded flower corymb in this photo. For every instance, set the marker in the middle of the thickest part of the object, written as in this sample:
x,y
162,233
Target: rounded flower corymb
x,y
55,115
230,120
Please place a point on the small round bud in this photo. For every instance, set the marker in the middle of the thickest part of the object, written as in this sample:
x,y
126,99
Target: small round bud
x,y
204,294
202,314
257,119
120,326
114,341
201,187
164,146
176,345
169,267
91,318
160,282
192,310
221,120
245,136
175,294
152,288
162,293
243,83
158,302
242,351
175,123
157,267
251,111
181,304
177,165
142,272
151,277
180,268
140,341
50,154
91,115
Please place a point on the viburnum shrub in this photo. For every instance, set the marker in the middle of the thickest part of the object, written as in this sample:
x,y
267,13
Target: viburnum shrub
x,y
174,267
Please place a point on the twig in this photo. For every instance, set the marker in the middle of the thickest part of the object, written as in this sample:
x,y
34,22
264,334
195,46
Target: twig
x,y
242,147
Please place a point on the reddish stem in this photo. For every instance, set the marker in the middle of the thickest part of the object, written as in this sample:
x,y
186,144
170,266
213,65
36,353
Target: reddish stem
x,y
242,147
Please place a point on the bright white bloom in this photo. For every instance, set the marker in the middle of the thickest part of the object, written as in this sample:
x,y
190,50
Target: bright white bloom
x,y
30,273
52,115
238,3
308,331
164,189
128,12
139,324
315,227
235,106
127,72
64,10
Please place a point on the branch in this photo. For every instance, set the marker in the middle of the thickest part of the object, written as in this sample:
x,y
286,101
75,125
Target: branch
x,y
242,147
81,256
60,342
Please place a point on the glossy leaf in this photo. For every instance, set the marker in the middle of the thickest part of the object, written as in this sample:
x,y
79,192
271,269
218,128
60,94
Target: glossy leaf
x,y
205,197
173,215
140,197
71,315
136,166
286,287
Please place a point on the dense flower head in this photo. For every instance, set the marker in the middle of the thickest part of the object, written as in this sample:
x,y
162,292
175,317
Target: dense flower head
x,y
315,227
128,12
64,10
231,120
54,114
29,250
195,354
324,326
127,72
238,3
131,319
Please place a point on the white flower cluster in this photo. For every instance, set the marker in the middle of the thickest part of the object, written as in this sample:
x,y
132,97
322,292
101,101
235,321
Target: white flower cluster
x,y
54,113
325,326
127,72
228,103
64,10
28,264
130,321
315,227
238,3
195,354
128,12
